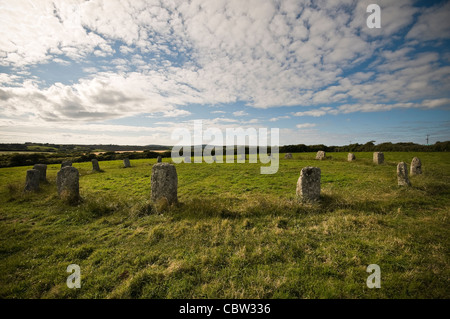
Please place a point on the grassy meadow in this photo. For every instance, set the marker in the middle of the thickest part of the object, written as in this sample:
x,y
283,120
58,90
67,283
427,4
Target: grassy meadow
x,y
234,234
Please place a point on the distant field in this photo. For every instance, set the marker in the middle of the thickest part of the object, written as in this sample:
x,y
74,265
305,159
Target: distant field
x,y
234,234
157,151
21,152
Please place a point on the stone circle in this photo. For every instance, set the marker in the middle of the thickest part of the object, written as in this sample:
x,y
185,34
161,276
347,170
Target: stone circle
x,y
378,157
402,174
67,182
308,184
416,166
320,155
164,182
42,168
32,180
95,165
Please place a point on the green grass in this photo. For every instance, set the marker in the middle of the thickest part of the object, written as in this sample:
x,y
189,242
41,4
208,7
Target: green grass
x,y
234,234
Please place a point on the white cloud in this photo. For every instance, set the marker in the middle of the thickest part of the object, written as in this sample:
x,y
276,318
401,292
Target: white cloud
x,y
274,119
175,53
432,24
172,113
306,125
240,113
315,113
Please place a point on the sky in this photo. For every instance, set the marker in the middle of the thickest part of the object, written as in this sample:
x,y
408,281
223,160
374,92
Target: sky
x,y
131,72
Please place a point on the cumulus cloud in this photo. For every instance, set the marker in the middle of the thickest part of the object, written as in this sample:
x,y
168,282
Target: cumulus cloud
x,y
315,113
305,125
240,113
159,58
274,119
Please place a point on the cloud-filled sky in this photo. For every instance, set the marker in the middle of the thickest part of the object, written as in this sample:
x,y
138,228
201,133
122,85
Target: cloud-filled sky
x,y
130,72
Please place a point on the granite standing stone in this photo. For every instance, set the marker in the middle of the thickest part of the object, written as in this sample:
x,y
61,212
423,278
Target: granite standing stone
x,y
378,157
159,160
42,168
126,162
288,156
402,174
164,182
320,155
308,184
67,182
416,166
95,165
66,163
32,180
351,157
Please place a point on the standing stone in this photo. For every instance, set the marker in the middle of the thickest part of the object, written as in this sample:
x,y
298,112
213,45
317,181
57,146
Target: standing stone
x,y
42,168
320,155
416,166
67,181
32,181
378,157
402,174
308,184
66,163
288,156
164,182
95,165
351,157
126,162
159,160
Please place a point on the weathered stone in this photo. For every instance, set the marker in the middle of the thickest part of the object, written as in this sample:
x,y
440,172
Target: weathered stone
x,y
42,168
416,166
95,165
308,184
32,180
351,157
66,163
288,156
402,174
126,162
378,157
320,155
67,182
164,182
159,160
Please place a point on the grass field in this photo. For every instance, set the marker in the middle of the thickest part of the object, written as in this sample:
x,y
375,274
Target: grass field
x,y
234,234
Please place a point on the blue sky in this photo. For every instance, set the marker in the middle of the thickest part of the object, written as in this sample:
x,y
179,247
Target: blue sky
x,y
131,72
